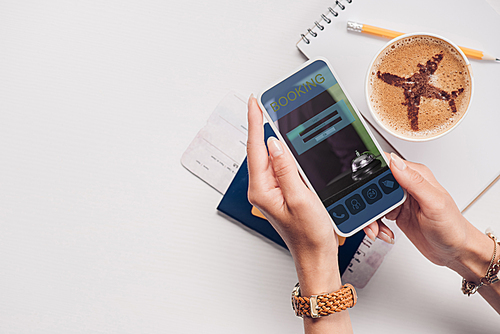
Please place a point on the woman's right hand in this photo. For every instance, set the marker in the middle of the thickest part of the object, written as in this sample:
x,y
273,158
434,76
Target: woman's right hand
x,y
432,221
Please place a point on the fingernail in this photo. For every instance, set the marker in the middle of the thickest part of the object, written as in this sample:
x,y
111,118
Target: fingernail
x,y
398,162
274,147
369,232
384,236
250,98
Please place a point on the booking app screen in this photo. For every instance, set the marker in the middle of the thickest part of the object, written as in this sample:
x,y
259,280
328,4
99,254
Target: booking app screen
x,y
333,148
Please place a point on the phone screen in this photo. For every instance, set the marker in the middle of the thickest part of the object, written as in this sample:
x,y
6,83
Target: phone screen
x,y
332,146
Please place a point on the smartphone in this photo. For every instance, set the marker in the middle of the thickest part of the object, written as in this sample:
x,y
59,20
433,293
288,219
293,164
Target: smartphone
x,y
336,154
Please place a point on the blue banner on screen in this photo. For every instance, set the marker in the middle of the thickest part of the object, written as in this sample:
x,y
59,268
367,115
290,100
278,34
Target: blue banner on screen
x,y
320,127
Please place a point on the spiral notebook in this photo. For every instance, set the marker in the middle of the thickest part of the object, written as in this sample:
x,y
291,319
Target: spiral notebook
x,y
465,161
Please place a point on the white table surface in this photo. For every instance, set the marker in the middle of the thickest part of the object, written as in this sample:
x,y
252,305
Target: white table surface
x,y
101,228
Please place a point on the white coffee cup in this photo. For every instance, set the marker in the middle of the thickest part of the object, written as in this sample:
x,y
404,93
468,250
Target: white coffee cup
x,y
412,134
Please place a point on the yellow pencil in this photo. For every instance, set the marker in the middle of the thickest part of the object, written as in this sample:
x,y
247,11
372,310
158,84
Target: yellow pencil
x,y
359,27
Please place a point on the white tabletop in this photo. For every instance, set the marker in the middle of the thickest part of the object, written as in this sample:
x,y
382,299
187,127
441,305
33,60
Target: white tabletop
x,y
101,228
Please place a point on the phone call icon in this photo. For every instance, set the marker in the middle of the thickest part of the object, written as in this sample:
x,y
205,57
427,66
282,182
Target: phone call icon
x,y
339,214
335,215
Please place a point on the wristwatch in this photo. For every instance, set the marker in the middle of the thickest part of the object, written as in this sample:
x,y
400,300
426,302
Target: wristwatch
x,y
317,306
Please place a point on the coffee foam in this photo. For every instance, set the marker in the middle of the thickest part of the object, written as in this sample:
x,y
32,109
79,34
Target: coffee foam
x,y
401,58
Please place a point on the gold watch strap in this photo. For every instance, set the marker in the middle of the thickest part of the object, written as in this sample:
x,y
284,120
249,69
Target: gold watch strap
x,y
324,304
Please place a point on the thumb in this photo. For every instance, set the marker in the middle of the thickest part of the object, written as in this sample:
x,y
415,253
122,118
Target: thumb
x,y
414,182
284,168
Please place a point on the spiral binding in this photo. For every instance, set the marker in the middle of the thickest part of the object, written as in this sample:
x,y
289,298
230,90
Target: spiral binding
x,y
324,18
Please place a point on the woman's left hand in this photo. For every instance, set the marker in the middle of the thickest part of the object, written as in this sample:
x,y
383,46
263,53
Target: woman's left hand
x,y
297,214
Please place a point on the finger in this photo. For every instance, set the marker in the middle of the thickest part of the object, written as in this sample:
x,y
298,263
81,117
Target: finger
x,y
285,169
371,230
385,233
427,174
393,215
378,229
256,149
413,181
423,170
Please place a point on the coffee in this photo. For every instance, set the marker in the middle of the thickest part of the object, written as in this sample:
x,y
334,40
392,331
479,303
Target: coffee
x,y
419,87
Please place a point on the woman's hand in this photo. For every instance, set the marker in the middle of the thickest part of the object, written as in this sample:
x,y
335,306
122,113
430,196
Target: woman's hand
x,y
434,224
429,217
297,214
